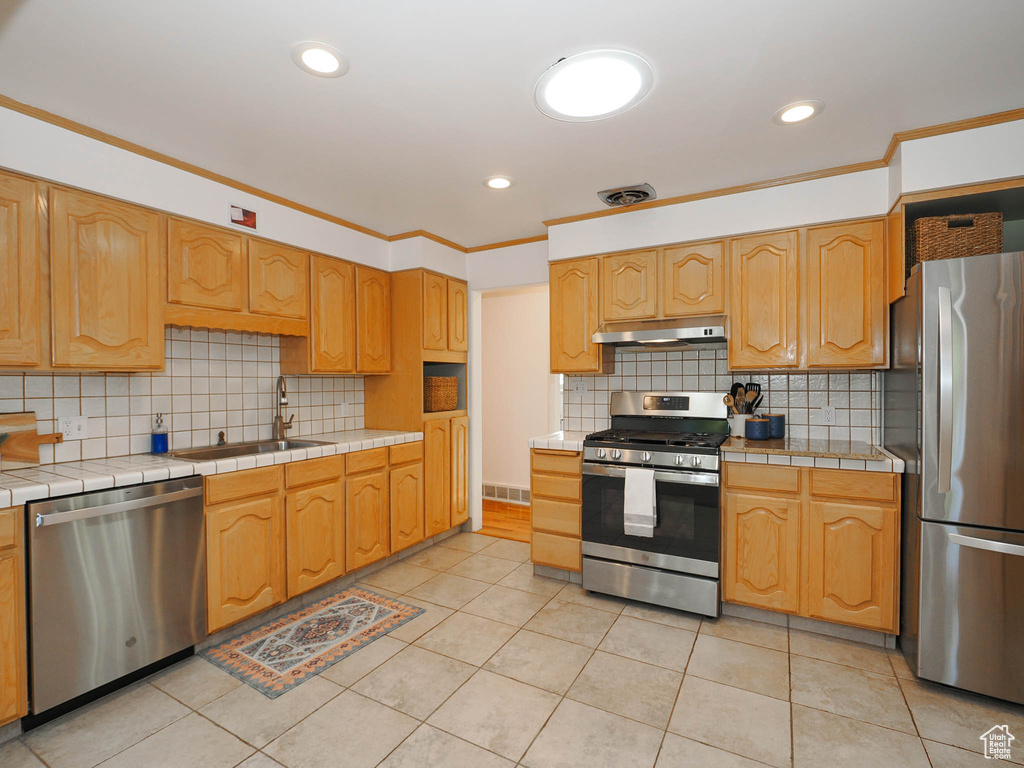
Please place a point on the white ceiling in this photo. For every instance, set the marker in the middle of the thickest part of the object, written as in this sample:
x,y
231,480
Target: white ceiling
x,y
440,95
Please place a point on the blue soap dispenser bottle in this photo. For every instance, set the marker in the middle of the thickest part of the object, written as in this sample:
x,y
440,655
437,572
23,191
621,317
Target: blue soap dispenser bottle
x,y
159,436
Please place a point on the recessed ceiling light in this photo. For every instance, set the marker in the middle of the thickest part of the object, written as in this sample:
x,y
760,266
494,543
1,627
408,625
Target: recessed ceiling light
x,y
798,111
320,59
498,182
593,85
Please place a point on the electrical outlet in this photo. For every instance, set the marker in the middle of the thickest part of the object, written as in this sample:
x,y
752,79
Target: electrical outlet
x,y
74,427
579,385
828,414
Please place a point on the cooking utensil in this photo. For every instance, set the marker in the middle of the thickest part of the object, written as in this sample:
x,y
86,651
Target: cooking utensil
x,y
756,404
19,443
730,403
741,399
753,387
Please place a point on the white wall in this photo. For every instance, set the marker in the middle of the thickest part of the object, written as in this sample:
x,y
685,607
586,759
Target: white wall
x,y
525,264
852,195
515,381
416,252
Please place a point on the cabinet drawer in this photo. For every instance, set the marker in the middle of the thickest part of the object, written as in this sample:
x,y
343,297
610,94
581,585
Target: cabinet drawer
x,y
364,461
322,470
405,453
238,485
853,484
562,462
556,486
556,516
9,527
762,477
556,551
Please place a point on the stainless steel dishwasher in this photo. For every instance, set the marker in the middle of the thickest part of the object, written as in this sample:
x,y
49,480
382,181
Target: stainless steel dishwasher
x,y
117,581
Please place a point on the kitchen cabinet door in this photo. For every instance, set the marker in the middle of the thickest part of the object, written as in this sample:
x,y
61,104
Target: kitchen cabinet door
x,y
368,519
105,281
458,320
315,518
20,314
333,321
847,307
278,280
245,556
460,470
762,551
574,319
406,499
852,573
763,301
204,266
435,312
693,279
437,457
13,632
373,320
629,286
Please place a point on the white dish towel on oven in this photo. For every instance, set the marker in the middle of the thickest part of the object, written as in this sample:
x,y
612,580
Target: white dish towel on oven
x,y
638,508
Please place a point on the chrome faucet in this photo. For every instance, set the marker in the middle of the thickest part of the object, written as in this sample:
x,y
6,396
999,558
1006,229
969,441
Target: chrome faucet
x,y
280,425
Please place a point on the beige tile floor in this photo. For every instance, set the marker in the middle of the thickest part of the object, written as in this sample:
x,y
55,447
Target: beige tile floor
x,y
508,668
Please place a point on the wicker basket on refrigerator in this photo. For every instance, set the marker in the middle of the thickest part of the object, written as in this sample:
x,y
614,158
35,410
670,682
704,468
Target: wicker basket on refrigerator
x,y
950,237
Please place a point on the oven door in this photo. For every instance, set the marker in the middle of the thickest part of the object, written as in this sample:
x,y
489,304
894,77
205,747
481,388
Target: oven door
x,y
687,530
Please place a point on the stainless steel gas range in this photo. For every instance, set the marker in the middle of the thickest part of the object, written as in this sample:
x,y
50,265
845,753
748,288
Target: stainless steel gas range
x,y
674,439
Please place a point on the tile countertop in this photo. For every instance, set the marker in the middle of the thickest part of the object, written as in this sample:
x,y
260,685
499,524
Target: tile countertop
x,y
802,452
49,480
559,441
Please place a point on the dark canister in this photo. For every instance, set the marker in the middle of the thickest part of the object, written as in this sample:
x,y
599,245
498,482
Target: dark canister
x,y
776,425
757,428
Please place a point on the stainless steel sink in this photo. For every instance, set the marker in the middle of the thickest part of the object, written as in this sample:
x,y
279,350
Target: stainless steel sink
x,y
242,449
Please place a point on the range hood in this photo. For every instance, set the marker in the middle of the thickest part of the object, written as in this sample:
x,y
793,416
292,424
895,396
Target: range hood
x,y
664,333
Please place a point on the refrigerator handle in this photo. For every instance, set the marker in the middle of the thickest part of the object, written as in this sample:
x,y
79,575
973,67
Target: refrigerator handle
x,y
986,544
945,363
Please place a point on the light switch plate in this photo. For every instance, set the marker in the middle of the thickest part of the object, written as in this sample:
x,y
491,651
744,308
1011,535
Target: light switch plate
x,y
579,385
828,414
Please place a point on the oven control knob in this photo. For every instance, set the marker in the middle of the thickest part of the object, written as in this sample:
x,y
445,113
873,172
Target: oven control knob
x,y
599,453
616,453
680,460
647,456
695,461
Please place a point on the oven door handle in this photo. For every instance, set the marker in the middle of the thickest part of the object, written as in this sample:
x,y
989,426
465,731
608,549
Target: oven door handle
x,y
680,478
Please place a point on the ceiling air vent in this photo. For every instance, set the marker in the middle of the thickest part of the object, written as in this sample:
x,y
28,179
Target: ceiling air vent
x,y
631,195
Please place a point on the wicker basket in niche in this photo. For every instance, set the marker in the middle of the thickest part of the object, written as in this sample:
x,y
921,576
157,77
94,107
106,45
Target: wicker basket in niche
x,y
440,393
950,237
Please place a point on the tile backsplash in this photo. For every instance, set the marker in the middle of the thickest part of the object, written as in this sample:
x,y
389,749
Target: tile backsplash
x,y
856,395
213,381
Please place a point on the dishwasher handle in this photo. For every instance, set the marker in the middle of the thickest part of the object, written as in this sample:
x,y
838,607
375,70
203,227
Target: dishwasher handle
x,y
55,518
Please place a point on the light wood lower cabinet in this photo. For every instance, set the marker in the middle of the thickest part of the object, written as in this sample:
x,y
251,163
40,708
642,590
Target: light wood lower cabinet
x,y
814,542
460,470
315,530
437,451
406,500
13,630
245,555
555,497
368,517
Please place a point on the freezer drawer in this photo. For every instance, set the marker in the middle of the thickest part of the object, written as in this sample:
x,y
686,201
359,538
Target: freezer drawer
x,y
972,609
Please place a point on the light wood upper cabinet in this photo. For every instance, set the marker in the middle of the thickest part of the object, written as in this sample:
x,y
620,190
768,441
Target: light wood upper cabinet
x,y
763,302
13,630
460,471
373,320
20,312
315,518
437,451
278,280
852,564
368,518
629,286
847,309
693,279
205,266
458,316
406,499
107,301
574,319
435,311
762,551
245,559
333,323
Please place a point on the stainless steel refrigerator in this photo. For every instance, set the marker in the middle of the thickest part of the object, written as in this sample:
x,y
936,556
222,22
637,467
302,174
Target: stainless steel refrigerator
x,y
954,412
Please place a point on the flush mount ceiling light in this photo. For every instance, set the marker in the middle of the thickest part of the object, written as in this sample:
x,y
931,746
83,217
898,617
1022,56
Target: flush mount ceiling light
x,y
498,182
320,59
593,86
798,111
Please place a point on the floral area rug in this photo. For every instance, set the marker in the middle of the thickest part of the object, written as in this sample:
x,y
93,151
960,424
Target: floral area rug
x,y
282,653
